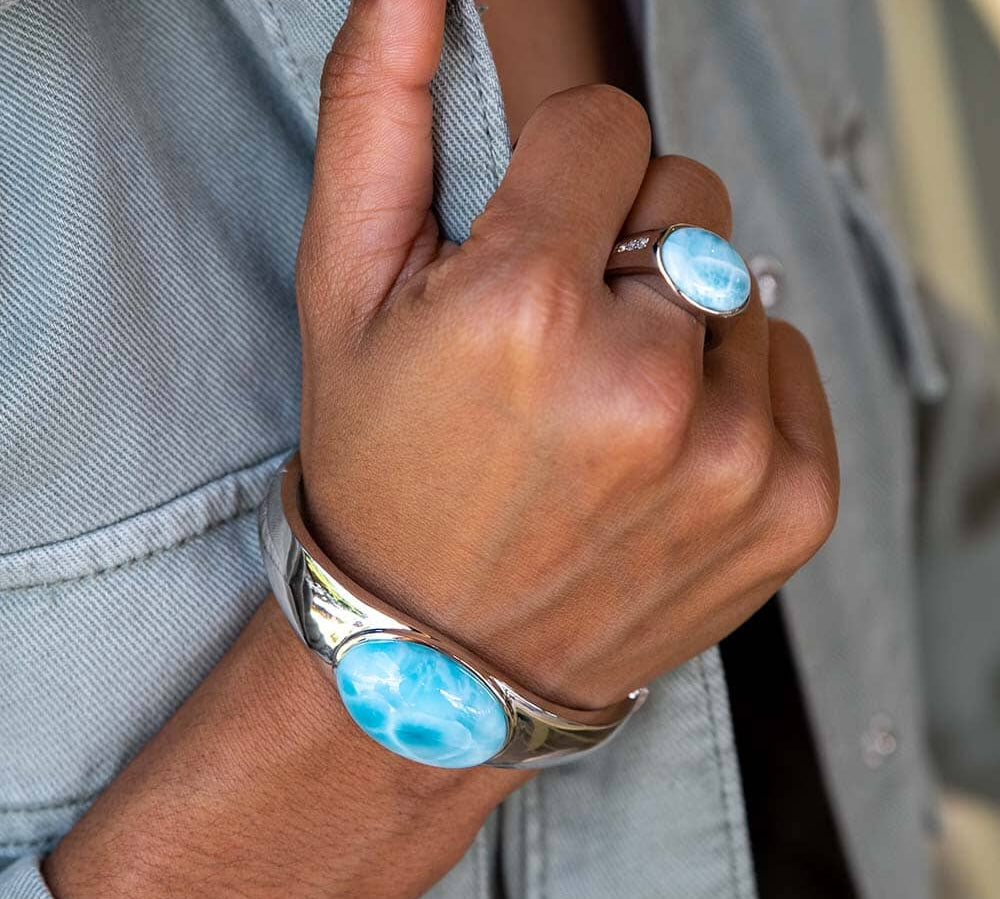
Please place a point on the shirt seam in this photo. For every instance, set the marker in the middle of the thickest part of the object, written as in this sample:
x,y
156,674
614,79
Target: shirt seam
x,y
723,790
58,805
241,511
285,55
479,71
52,544
490,137
30,844
243,508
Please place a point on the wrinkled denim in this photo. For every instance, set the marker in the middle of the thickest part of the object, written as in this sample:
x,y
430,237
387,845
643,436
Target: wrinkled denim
x,y
155,161
155,167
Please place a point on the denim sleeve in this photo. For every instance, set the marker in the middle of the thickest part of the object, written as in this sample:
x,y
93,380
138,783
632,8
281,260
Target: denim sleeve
x,y
23,880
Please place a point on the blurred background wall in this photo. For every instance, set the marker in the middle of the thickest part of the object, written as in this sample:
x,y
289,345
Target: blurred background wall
x,y
944,58
973,34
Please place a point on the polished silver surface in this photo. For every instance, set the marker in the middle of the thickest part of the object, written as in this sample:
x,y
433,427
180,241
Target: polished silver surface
x,y
639,254
331,613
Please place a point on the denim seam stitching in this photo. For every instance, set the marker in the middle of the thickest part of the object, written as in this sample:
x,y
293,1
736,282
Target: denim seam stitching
x,y
478,73
41,843
46,807
287,56
152,509
723,793
241,510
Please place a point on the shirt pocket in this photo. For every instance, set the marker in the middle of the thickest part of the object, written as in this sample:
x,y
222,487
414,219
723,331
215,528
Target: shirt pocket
x,y
892,289
153,178
103,637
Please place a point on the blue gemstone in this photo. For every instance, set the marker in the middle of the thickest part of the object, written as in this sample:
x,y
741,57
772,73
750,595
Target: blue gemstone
x,y
421,703
706,269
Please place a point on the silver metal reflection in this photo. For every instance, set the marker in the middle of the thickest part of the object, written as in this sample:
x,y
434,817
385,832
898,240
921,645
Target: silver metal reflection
x,y
639,254
331,613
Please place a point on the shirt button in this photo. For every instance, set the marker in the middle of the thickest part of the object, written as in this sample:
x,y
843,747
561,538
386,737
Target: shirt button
x,y
770,276
879,741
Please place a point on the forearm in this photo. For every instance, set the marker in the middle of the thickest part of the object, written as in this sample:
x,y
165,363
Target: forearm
x,y
261,786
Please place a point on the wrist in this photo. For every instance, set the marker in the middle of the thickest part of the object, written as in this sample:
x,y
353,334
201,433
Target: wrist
x,y
447,592
261,754
411,687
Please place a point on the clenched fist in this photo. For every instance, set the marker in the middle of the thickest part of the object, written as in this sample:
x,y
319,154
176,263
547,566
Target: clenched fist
x,y
550,469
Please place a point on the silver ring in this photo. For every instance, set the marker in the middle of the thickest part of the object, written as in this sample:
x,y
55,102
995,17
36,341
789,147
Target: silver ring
x,y
704,275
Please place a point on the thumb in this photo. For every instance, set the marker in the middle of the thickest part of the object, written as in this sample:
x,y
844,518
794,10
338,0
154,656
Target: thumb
x,y
373,173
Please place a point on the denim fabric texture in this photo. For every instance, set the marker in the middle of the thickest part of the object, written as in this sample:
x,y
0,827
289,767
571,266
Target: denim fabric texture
x,y
794,94
154,167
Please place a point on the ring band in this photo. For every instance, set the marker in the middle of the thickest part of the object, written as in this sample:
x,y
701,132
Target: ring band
x,y
704,275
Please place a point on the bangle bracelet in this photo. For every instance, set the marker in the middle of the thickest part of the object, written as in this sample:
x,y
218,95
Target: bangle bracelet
x,y
408,687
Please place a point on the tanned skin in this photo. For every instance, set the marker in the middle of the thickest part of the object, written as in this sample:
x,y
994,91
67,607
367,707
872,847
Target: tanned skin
x,y
552,470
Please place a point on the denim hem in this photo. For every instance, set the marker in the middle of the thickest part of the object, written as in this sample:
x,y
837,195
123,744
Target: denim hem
x,y
141,536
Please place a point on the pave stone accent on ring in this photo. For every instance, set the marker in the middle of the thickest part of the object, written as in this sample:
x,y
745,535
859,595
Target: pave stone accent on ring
x,y
636,243
705,269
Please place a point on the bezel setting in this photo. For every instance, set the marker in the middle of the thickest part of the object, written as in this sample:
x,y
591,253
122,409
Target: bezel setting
x,y
704,310
332,614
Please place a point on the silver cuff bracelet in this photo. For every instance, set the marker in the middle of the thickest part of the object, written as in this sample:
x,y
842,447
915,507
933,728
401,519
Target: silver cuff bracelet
x,y
411,689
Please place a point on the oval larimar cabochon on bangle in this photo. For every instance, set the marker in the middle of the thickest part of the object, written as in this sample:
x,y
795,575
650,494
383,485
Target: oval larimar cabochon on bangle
x,y
421,703
705,269
385,687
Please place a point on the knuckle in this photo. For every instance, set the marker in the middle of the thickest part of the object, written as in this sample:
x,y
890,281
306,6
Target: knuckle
x,y
785,336
670,394
616,104
538,303
739,462
634,439
527,309
346,74
810,511
648,431
605,107
697,173
648,420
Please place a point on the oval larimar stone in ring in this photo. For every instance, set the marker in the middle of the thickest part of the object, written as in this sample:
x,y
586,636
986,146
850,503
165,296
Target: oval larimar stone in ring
x,y
705,269
421,703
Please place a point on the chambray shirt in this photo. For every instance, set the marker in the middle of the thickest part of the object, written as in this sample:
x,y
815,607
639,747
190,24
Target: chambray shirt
x,y
155,162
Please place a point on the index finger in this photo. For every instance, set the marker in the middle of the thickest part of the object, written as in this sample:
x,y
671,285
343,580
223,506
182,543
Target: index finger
x,y
578,164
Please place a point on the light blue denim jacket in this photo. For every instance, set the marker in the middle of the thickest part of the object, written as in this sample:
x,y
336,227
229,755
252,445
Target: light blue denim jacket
x,y
155,160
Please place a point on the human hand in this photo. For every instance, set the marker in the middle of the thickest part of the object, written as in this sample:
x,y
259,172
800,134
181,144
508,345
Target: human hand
x,y
551,470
